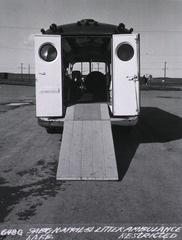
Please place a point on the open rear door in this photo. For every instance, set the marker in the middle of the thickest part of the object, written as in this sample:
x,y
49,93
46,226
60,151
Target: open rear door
x,y
125,74
48,76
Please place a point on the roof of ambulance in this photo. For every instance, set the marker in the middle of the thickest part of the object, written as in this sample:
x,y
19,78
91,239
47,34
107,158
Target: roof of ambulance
x,y
87,27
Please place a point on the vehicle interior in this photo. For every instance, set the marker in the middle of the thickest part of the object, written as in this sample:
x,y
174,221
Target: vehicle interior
x,y
86,68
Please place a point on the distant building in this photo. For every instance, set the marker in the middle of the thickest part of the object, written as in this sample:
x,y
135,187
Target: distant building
x,y
17,78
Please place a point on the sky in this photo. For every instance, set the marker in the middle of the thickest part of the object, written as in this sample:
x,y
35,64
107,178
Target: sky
x,y
159,23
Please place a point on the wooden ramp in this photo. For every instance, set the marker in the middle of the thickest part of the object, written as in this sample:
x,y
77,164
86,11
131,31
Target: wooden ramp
x,y
87,150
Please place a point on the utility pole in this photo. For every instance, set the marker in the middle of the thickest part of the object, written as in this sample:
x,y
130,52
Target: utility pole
x,y
165,69
21,70
29,71
21,67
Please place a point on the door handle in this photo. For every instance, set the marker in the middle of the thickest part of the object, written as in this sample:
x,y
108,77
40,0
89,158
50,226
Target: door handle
x,y
43,73
132,78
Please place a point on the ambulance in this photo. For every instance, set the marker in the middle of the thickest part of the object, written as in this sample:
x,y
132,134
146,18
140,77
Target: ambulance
x,y
87,62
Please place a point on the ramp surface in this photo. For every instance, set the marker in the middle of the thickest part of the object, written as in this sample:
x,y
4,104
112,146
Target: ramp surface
x,y
87,150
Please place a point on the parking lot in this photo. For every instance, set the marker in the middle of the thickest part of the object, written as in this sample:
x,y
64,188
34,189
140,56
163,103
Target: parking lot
x,y
148,159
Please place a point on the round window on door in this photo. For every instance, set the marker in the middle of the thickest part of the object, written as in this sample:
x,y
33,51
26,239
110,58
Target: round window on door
x,y
125,52
48,52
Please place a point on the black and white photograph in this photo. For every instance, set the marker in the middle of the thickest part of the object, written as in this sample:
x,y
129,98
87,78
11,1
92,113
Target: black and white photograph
x,y
90,119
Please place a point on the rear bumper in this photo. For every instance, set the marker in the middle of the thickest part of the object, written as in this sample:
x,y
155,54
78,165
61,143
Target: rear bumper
x,y
51,122
124,121
59,122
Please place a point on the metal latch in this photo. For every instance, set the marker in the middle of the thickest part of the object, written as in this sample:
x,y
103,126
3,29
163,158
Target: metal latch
x,y
132,78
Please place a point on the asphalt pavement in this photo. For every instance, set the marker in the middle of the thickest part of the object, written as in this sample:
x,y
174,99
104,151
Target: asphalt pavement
x,y
149,160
